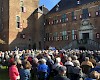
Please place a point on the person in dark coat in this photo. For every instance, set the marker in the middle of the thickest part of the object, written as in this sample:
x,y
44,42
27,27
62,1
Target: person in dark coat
x,y
43,70
62,74
25,71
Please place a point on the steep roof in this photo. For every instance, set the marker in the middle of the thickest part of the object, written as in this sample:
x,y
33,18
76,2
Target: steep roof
x,y
41,9
67,4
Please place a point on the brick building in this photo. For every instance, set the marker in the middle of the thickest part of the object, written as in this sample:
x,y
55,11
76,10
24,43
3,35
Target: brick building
x,y
70,24
73,24
16,23
38,38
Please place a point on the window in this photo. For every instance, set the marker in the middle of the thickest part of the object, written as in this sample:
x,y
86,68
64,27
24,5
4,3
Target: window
x,y
23,9
67,37
52,22
60,20
57,7
47,37
98,35
81,16
22,36
55,20
47,21
55,36
97,13
21,3
18,21
72,15
85,13
78,2
60,38
73,34
64,18
44,39
64,35
89,14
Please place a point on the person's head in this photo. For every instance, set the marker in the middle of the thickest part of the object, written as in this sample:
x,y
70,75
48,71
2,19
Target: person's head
x,y
76,64
95,75
74,57
86,58
62,70
13,63
35,60
58,59
42,61
69,59
25,57
27,65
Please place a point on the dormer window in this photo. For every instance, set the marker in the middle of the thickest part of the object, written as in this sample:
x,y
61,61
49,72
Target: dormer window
x,y
57,7
78,2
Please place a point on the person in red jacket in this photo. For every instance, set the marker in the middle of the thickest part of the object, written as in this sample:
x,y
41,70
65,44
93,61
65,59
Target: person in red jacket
x,y
13,71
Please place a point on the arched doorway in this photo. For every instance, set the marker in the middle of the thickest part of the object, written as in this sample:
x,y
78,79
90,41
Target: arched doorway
x,y
86,30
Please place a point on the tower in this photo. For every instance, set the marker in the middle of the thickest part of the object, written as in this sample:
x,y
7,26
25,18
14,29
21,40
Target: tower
x,y
16,23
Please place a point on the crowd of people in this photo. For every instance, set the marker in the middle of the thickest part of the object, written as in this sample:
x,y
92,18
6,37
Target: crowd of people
x,y
52,64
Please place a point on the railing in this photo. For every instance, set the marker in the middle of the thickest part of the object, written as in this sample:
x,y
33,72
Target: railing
x,y
82,41
71,45
93,44
88,43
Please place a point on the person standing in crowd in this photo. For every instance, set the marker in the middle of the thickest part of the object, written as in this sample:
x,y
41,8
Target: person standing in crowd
x,y
96,68
43,70
86,66
61,74
69,62
25,71
13,71
94,75
56,65
34,68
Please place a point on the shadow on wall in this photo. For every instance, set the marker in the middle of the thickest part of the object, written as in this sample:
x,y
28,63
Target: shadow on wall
x,y
25,36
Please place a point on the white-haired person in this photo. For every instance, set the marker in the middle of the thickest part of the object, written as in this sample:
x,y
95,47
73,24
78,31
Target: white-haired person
x,y
56,65
43,70
69,62
75,59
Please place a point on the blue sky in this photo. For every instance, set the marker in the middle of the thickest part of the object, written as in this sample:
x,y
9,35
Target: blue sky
x,y
48,3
